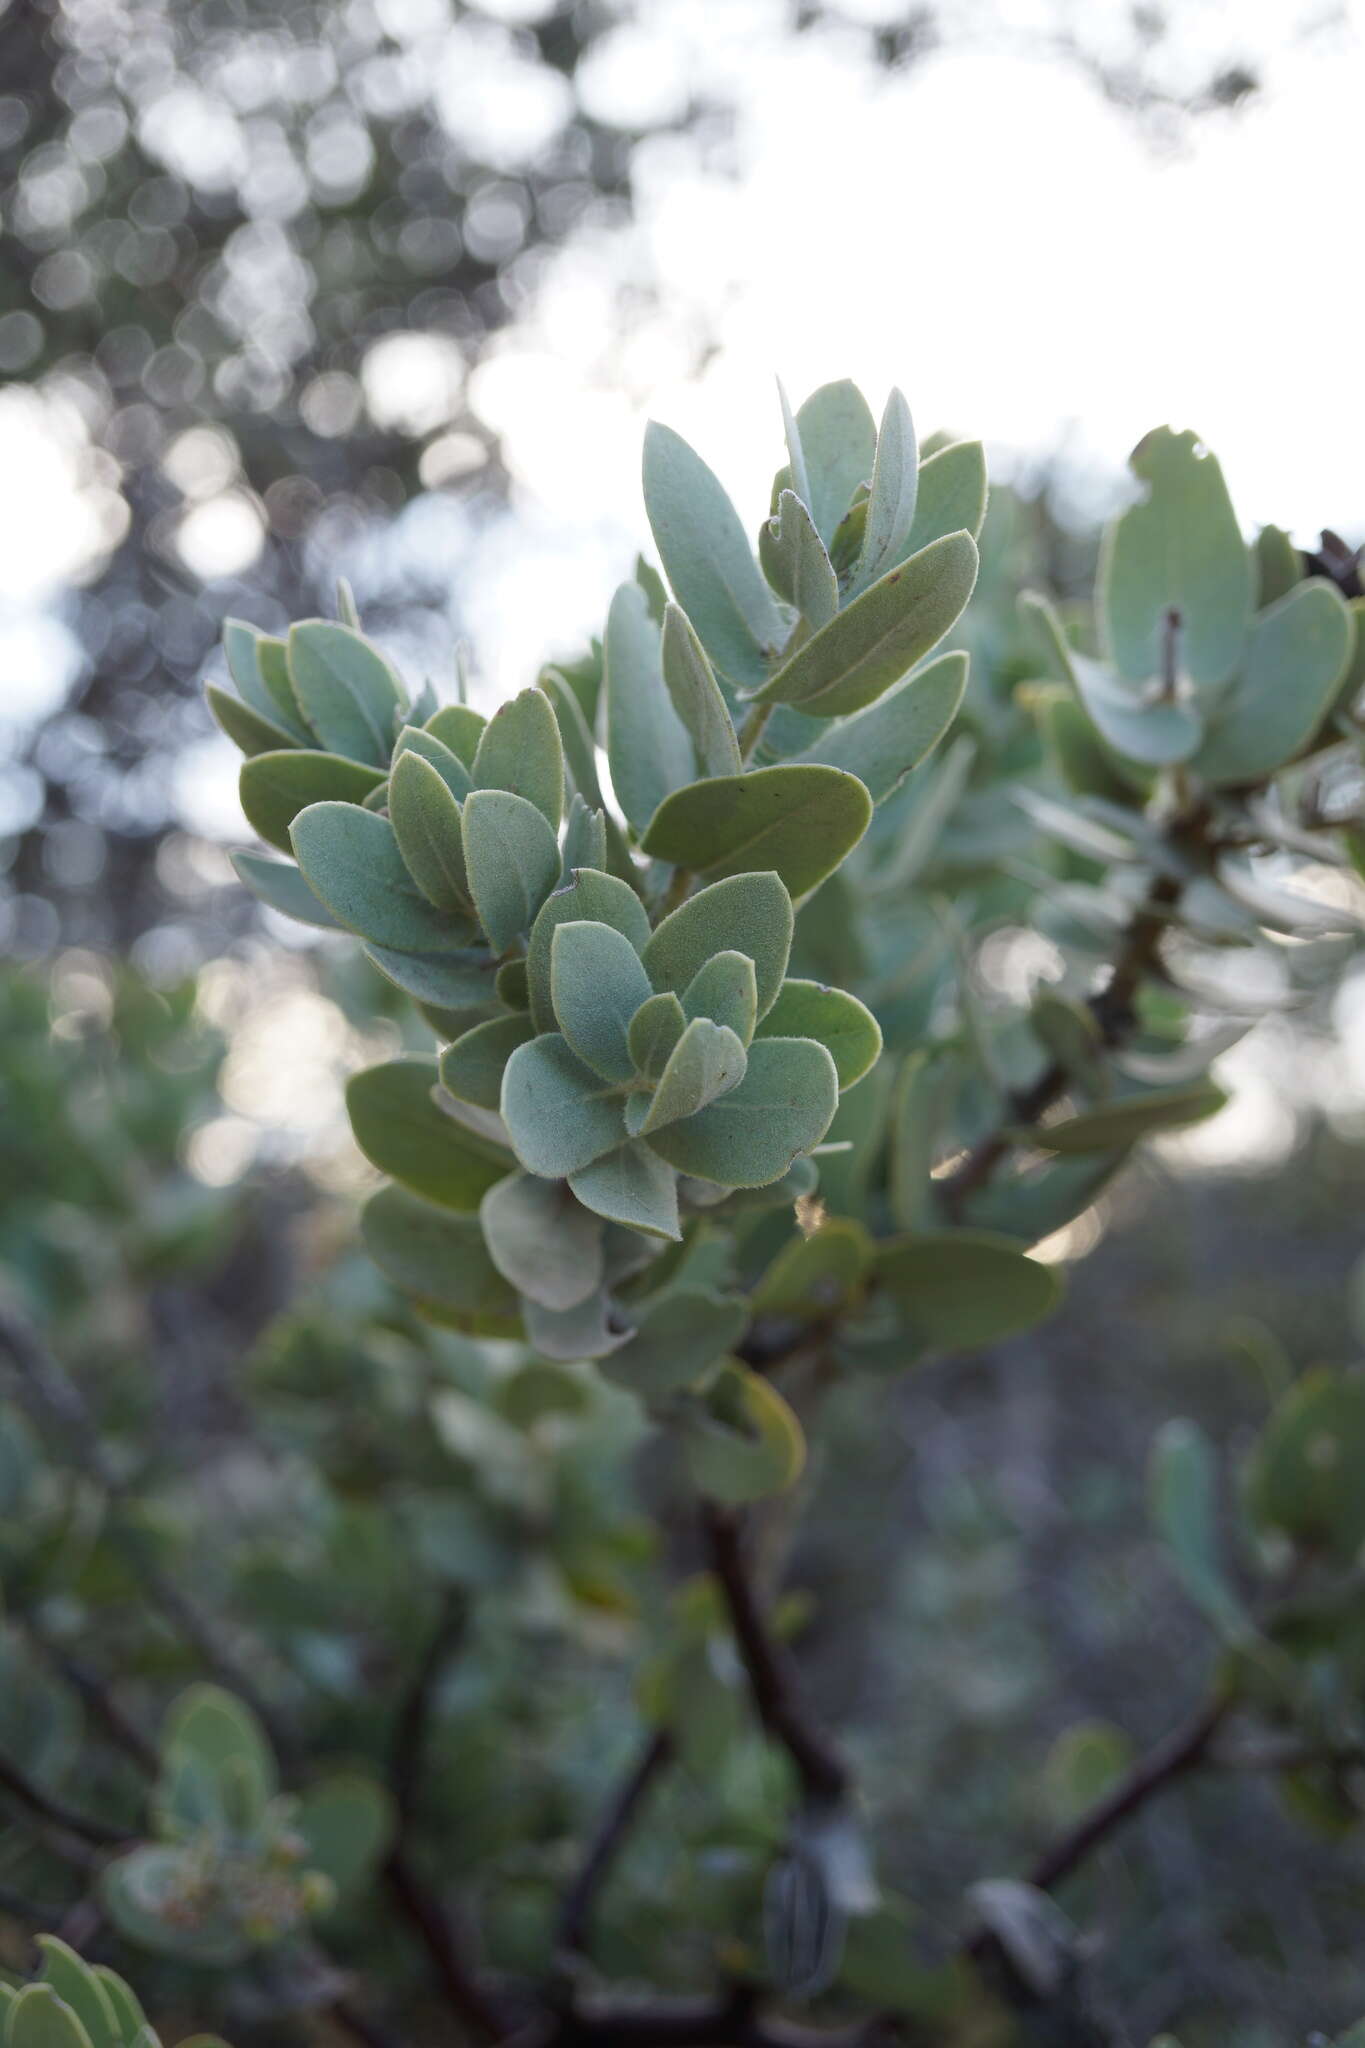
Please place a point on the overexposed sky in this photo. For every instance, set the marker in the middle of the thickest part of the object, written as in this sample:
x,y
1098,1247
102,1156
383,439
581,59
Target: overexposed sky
x,y
982,228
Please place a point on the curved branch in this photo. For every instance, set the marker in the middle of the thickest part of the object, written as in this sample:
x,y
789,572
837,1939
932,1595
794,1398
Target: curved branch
x,y
1112,1009
575,1913
772,1679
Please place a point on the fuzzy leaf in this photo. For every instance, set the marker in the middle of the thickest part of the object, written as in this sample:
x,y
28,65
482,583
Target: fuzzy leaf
x,y
399,1128
248,729
707,559
520,751
839,1022
575,737
726,991
345,689
696,696
351,859
512,858
679,1337
603,898
880,745
960,1289
585,838
892,495
472,1068
796,564
415,739
631,1186
1180,546
745,914
648,747
707,1061
591,1329
597,983
751,1135
952,495
437,1257
541,1240
881,636
426,823
1295,659
242,650
459,727
457,981
655,1029
839,442
281,887
560,1115
800,821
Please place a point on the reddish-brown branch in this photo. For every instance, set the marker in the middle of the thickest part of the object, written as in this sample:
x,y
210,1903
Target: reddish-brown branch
x,y
772,1677
1113,1010
575,1915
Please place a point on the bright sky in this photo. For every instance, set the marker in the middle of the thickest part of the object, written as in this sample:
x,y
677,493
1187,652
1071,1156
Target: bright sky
x,y
988,233
983,229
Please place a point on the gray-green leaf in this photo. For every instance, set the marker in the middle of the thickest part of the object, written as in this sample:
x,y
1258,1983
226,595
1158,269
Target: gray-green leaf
x,y
800,820
751,1135
880,637
351,859
707,559
631,1186
696,696
881,744
560,1115
520,751
345,689
597,983
648,746
426,823
512,858
541,1240
749,913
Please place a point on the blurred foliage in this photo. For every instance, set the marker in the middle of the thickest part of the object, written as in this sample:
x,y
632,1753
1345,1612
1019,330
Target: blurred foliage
x,y
315,1607
217,219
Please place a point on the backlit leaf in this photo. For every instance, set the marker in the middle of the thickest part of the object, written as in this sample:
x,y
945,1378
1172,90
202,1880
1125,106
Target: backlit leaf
x,y
512,859
881,635
707,559
749,913
798,820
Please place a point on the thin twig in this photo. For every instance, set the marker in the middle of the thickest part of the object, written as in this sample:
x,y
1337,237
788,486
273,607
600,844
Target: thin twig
x,y
95,1696
1171,1758
414,1712
1113,1011
465,1992
575,1914
772,1679
51,1813
54,1399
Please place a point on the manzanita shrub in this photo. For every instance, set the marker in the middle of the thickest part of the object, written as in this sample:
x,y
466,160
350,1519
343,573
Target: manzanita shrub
x,y
718,1109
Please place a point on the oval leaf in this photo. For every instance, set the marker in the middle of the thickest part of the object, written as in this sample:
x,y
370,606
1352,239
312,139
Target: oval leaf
x,y
799,820
880,637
